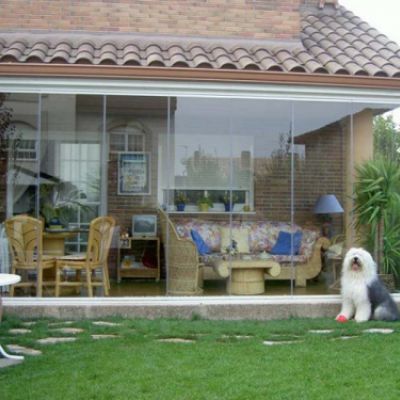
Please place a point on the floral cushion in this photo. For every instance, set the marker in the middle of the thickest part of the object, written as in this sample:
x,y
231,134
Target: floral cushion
x,y
307,242
209,231
262,236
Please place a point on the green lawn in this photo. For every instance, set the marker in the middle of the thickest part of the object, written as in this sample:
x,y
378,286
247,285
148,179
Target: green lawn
x,y
217,365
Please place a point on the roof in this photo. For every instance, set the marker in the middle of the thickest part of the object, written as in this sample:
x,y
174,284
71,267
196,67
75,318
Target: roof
x,y
332,42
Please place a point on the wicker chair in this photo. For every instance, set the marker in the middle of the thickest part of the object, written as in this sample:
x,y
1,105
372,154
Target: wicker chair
x,y
100,235
25,236
184,276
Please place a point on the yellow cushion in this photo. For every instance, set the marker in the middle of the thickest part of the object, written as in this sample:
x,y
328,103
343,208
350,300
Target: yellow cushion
x,y
240,235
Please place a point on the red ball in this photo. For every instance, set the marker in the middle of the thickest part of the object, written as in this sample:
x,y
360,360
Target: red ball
x,y
341,318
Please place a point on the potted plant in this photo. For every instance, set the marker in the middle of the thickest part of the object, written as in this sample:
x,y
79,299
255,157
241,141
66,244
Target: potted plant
x,y
377,208
180,201
58,202
229,201
204,203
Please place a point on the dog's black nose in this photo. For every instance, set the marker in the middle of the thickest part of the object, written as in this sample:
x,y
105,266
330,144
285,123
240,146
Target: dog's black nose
x,y
355,259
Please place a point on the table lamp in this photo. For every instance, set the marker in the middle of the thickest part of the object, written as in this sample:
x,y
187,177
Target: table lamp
x,y
326,205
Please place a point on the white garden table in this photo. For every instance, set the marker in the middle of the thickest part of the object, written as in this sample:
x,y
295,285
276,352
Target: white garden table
x,y
8,279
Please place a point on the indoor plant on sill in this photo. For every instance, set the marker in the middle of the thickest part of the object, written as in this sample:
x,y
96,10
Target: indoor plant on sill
x,y
229,202
180,201
204,203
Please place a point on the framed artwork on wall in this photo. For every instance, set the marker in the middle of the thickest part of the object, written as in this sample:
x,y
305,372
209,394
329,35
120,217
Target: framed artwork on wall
x,y
133,173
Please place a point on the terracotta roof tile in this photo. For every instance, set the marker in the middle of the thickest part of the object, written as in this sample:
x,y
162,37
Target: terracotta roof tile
x,y
332,41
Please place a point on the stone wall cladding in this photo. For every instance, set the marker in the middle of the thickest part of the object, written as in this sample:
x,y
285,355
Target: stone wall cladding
x,y
256,19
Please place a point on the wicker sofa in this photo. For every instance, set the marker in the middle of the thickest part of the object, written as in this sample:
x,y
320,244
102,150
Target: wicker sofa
x,y
262,237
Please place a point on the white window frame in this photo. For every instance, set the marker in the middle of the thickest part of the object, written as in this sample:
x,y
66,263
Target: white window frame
x,y
27,151
126,87
200,89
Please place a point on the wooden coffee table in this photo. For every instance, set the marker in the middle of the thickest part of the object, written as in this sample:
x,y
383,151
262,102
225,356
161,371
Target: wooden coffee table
x,y
246,276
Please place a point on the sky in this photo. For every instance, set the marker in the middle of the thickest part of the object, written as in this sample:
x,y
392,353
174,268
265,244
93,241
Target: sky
x,y
384,15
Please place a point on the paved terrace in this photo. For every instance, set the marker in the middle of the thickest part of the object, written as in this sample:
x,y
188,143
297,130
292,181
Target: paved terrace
x,y
215,308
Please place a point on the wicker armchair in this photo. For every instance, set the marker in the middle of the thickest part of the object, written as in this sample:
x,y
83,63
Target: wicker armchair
x,y
25,236
184,271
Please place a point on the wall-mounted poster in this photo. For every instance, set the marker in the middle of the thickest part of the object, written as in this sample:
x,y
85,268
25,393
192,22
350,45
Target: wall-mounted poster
x,y
133,173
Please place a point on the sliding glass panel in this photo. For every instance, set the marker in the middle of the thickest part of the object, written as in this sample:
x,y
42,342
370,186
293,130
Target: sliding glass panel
x,y
70,153
376,137
194,182
19,132
136,129
321,131
261,190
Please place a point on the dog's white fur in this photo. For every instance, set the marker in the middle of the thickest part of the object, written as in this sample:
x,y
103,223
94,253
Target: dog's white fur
x,y
363,294
355,299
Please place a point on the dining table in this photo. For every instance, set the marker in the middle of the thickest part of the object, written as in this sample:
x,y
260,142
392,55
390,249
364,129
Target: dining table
x,y
5,280
54,240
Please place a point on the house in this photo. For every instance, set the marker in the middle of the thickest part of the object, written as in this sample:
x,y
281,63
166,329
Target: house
x,y
135,102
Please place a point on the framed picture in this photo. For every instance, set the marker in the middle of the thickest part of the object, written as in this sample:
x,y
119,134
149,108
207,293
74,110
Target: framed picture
x,y
133,173
144,225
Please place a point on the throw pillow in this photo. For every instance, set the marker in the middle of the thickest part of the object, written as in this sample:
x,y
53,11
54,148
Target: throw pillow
x,y
201,245
239,235
284,242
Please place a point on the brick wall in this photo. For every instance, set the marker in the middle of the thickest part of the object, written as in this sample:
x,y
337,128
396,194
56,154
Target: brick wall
x,y
321,172
123,207
256,19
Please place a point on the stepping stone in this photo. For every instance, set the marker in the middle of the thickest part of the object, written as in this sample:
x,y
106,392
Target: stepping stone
x,y
69,330
96,337
286,335
385,331
278,342
53,340
176,340
17,349
345,337
5,362
19,331
61,323
105,323
29,323
237,336
321,331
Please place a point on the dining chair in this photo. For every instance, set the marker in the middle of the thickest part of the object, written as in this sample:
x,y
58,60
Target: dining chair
x,y
95,260
25,238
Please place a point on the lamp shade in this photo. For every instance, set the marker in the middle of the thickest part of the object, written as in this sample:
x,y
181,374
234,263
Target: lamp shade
x,y
327,204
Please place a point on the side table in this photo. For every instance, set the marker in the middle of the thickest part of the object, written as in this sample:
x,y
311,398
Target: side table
x,y
136,269
8,279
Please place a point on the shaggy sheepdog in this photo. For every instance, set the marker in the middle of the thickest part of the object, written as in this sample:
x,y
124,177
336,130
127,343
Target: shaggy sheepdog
x,y
364,296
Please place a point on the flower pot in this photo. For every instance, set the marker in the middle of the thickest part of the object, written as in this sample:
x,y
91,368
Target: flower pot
x,y
55,223
228,207
180,207
203,207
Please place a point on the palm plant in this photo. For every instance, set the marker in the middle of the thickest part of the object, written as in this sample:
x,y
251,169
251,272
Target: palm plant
x,y
377,208
59,201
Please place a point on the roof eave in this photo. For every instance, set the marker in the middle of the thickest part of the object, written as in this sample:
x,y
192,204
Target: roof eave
x,y
195,74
